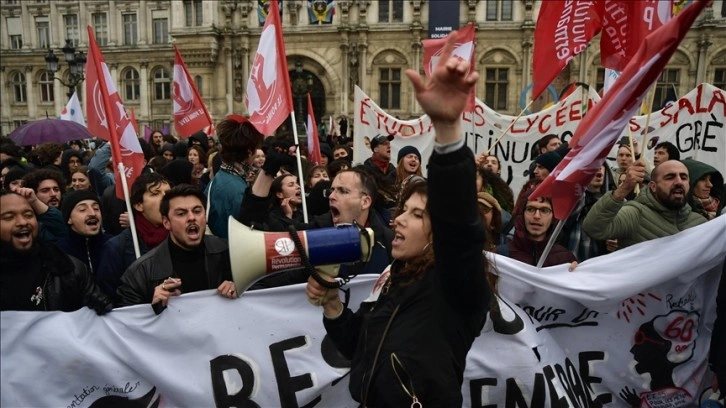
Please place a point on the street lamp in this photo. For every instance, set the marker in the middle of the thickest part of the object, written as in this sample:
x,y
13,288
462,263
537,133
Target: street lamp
x,y
301,86
76,64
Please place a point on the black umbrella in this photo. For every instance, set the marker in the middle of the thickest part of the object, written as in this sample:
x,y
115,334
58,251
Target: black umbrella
x,y
49,131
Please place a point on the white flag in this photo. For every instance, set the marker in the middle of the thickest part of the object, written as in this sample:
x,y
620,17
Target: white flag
x,y
72,111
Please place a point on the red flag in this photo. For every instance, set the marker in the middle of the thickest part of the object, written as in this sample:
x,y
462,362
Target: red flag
x,y
601,128
625,25
107,116
134,123
190,114
563,30
464,49
269,97
313,142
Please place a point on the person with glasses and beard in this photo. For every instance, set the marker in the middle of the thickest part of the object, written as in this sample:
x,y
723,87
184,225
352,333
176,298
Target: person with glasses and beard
x,y
659,211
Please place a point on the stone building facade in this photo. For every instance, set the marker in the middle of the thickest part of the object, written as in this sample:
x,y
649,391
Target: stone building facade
x,y
369,44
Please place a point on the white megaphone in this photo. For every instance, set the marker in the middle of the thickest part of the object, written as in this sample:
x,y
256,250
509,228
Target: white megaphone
x,y
254,254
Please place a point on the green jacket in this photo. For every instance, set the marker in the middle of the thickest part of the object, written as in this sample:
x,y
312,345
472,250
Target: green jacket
x,y
638,220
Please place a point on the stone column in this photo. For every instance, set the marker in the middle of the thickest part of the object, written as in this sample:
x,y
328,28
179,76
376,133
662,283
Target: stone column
x,y
27,22
30,93
703,44
5,127
143,23
59,91
114,34
144,91
526,64
57,28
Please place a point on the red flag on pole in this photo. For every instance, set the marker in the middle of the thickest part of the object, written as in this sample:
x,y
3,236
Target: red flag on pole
x,y
464,49
601,128
625,25
190,113
107,116
269,97
563,30
312,131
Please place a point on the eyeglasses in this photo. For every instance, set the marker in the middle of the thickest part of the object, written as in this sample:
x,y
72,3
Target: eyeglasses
x,y
533,210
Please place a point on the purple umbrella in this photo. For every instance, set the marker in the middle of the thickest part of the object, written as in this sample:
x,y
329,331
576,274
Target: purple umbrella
x,y
49,131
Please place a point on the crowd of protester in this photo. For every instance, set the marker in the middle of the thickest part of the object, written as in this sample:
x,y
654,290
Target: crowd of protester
x,y
69,242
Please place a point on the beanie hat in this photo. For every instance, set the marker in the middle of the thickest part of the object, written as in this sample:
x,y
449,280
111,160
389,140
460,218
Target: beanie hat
x,y
406,150
488,200
326,151
201,138
72,199
548,160
178,172
15,173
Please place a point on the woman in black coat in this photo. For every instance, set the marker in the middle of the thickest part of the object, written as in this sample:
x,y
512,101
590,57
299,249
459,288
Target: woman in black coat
x,y
408,342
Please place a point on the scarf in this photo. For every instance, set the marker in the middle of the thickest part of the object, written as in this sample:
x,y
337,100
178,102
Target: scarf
x,y
149,233
707,205
380,163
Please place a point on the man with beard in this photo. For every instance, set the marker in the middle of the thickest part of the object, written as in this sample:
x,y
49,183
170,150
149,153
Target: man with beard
x,y
187,261
85,240
43,189
660,210
48,185
35,275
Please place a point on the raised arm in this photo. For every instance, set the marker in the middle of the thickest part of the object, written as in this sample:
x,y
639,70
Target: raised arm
x,y
458,230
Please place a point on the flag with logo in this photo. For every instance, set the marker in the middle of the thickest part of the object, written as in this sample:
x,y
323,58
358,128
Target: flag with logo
x,y
72,111
563,30
312,131
190,113
625,25
600,129
464,49
107,116
321,11
269,97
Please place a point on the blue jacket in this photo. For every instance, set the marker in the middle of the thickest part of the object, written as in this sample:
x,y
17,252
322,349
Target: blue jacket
x,y
225,193
88,250
118,255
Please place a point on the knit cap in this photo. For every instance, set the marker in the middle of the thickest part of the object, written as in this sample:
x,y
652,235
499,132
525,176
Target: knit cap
x,y
72,199
548,160
406,150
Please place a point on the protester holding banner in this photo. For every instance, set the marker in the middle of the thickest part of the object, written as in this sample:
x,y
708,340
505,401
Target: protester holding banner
x,y
187,261
36,275
658,211
398,357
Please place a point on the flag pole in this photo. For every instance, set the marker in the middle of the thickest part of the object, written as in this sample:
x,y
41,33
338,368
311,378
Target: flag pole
x,y
632,151
509,127
300,176
649,99
127,199
551,242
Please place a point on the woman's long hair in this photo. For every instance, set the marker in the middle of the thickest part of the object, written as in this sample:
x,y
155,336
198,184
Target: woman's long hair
x,y
275,188
413,269
402,174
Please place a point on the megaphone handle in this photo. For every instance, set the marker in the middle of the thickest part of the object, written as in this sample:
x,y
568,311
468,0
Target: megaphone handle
x,y
306,262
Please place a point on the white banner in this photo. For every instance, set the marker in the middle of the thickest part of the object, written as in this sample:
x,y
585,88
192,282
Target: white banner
x,y
634,325
694,124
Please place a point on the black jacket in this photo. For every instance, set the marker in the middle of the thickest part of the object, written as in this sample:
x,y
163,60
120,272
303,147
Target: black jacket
x,y
118,255
87,249
66,286
149,271
435,318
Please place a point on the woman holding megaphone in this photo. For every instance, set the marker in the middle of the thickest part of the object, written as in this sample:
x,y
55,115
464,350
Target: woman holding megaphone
x,y
408,345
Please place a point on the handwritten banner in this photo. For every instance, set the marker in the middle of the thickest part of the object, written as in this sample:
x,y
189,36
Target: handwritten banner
x,y
694,124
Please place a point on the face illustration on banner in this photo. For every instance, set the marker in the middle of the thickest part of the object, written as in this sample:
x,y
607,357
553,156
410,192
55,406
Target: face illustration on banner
x,y
260,92
659,347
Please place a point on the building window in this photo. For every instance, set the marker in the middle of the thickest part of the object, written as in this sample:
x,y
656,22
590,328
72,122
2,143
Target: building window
x,y
499,10
45,82
162,84
198,82
131,84
15,32
43,27
719,78
71,23
131,34
100,26
666,89
193,12
18,83
390,88
161,30
11,2
496,87
390,11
